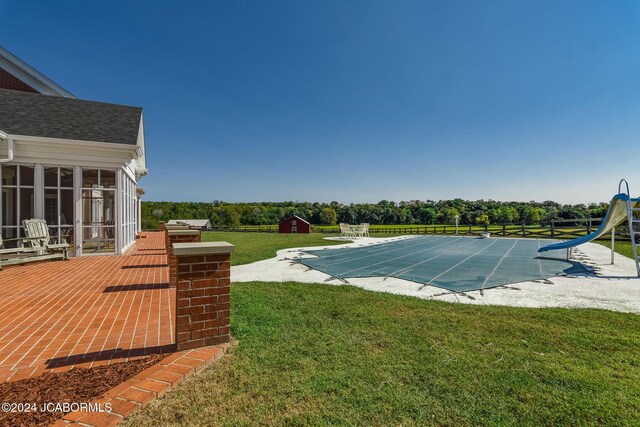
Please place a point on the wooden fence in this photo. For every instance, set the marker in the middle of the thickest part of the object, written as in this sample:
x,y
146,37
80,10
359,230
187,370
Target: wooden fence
x,y
249,228
555,229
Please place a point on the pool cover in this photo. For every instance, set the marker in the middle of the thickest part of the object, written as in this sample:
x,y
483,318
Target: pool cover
x,y
450,262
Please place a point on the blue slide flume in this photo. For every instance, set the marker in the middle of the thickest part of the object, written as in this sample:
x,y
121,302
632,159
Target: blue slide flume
x,y
616,215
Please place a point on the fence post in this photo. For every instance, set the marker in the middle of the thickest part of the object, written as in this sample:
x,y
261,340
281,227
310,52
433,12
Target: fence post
x,y
523,230
444,230
553,228
504,230
469,229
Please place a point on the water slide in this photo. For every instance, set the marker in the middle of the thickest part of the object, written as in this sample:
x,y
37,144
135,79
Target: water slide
x,y
616,215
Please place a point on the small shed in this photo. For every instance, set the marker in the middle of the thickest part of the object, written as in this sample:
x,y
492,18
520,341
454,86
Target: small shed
x,y
201,224
294,224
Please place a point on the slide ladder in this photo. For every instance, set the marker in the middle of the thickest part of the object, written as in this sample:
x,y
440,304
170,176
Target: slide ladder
x,y
634,231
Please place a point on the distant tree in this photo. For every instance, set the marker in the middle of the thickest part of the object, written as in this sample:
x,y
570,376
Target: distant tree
x,y
551,214
598,210
533,215
448,215
406,216
504,215
230,215
427,215
150,223
348,215
483,219
384,212
571,212
328,216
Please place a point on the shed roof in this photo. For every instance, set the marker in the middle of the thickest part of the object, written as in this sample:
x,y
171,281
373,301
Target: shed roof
x,y
193,222
296,217
32,114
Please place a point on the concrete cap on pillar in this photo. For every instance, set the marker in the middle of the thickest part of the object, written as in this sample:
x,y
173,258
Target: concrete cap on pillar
x,y
202,248
172,232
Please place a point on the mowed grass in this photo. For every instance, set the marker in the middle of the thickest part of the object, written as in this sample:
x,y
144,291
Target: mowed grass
x,y
339,355
253,246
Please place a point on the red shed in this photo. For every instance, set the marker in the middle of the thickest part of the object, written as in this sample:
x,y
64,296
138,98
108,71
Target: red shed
x,y
294,224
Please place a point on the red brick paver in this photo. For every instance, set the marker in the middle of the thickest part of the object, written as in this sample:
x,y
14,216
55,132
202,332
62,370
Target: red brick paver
x,y
87,311
93,311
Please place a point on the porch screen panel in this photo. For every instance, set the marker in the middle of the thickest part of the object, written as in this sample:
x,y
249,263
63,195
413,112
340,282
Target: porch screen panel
x,y
98,214
17,201
127,195
58,202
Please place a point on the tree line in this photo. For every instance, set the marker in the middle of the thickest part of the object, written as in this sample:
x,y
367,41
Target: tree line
x,y
385,212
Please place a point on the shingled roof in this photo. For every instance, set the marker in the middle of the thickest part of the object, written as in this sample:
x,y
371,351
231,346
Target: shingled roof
x,y
33,114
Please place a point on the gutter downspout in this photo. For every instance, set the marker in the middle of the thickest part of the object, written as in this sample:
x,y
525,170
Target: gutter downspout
x,y
10,148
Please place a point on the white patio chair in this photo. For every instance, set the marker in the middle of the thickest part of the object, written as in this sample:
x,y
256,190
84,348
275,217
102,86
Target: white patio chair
x,y
365,229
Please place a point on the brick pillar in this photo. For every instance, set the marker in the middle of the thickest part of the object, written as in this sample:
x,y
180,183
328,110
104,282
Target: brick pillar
x,y
177,236
203,293
170,227
161,226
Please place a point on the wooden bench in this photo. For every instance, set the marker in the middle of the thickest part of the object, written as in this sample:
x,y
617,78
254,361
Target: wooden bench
x,y
22,255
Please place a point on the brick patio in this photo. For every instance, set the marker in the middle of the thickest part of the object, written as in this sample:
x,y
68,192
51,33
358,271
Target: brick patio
x,y
88,311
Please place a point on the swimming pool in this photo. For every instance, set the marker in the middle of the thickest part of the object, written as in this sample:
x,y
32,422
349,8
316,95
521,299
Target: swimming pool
x,y
450,262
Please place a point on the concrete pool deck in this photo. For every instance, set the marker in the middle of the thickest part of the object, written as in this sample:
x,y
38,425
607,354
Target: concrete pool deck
x,y
612,287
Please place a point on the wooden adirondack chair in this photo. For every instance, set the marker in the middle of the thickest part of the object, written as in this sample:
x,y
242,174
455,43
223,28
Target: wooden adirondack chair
x,y
37,234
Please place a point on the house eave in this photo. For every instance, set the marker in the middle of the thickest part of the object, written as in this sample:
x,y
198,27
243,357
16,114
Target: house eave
x,y
98,145
63,152
30,76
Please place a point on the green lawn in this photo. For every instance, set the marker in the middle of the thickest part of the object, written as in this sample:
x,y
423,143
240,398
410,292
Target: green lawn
x,y
339,355
252,246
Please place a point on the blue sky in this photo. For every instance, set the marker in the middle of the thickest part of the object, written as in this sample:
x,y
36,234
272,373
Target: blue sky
x,y
357,101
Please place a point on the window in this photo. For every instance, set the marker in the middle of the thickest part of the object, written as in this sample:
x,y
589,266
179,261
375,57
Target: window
x,y
17,202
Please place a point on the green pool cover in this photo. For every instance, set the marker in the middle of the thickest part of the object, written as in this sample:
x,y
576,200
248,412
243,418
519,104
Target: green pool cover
x,y
450,262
